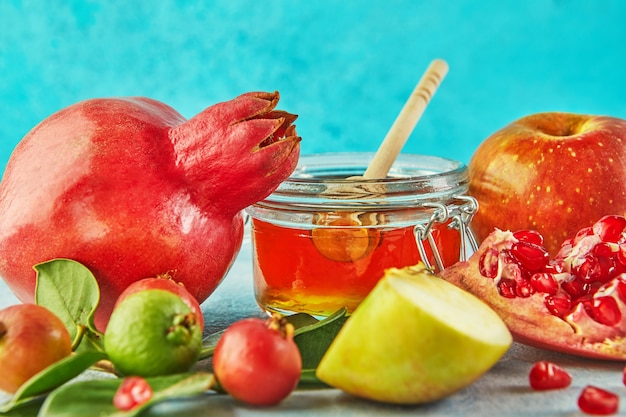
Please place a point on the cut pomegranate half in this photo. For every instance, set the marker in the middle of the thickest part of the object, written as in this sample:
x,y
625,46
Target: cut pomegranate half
x,y
573,303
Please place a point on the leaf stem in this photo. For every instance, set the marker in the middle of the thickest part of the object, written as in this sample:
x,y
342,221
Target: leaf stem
x,y
80,332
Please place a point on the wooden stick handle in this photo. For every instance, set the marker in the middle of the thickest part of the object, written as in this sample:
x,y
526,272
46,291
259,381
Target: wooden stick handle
x,y
407,119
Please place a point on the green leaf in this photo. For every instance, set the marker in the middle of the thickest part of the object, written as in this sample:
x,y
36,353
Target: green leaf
x,y
70,291
314,339
209,343
89,398
52,377
300,320
308,379
28,408
59,373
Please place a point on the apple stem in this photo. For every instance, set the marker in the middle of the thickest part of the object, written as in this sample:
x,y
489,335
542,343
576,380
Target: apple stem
x,y
3,329
280,324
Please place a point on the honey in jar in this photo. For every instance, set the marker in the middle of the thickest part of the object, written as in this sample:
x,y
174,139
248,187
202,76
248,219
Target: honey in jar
x,y
321,241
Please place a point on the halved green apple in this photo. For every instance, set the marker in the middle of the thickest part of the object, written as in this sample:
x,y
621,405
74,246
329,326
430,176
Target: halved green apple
x,y
414,339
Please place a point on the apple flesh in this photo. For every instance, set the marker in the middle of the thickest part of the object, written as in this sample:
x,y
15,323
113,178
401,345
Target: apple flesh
x,y
31,339
550,172
414,339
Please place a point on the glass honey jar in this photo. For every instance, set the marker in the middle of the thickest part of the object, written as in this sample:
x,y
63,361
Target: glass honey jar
x,y
324,238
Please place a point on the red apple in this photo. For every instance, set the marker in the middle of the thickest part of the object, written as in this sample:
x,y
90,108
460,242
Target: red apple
x,y
550,172
31,339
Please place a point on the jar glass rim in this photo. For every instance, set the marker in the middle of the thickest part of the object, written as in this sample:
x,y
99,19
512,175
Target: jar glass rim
x,y
326,167
322,180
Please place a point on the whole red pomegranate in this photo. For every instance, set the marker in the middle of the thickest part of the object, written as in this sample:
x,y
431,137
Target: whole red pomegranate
x,y
131,189
574,302
550,172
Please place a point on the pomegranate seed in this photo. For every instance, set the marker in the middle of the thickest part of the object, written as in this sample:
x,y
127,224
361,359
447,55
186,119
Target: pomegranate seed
x,y
133,392
559,304
529,236
607,269
546,375
530,256
594,400
544,282
603,249
488,263
610,228
604,310
619,268
523,289
587,268
506,287
511,269
582,233
576,289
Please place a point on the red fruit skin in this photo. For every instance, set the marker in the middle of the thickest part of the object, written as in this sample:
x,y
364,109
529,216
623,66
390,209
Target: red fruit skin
x,y
528,319
131,189
31,339
255,364
167,283
550,172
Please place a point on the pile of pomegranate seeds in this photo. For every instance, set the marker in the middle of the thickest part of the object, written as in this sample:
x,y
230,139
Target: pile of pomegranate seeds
x,y
588,275
546,375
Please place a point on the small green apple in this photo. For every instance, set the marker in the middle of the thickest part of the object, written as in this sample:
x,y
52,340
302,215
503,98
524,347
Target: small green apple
x,y
153,332
415,338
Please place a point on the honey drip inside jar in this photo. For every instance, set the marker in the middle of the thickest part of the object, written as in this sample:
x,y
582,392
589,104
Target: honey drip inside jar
x,y
345,244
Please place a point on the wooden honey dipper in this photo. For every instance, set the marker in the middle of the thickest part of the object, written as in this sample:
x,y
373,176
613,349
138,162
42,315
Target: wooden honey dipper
x,y
351,244
406,121
397,135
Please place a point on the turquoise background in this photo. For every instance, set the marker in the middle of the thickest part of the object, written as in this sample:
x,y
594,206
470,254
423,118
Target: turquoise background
x,y
346,67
